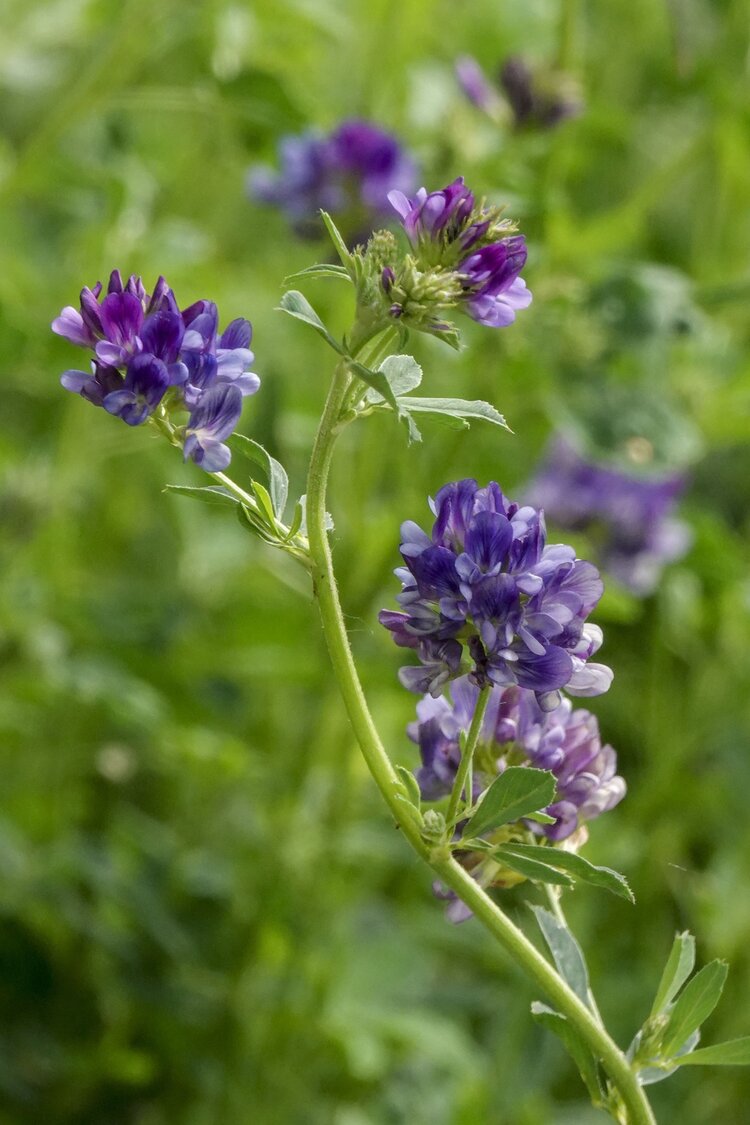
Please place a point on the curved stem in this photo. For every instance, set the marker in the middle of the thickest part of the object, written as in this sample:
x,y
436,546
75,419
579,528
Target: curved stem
x,y
463,773
513,940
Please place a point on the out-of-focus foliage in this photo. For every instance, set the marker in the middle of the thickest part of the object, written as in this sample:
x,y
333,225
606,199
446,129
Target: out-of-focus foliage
x,y
205,915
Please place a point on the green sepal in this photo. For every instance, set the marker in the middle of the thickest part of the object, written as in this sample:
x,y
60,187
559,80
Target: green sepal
x,y
566,952
516,792
579,1051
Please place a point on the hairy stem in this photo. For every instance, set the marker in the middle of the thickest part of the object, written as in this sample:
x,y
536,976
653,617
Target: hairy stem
x,y
513,940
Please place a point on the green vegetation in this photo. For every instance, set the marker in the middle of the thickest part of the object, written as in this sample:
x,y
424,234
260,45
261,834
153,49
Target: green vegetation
x,y
206,915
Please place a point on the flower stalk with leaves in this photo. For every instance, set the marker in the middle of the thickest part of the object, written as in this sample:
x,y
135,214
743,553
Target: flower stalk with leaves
x,y
514,773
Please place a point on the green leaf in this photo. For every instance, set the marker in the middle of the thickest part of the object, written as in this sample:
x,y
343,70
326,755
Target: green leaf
x,y
566,952
208,494
516,792
298,306
532,868
403,374
457,409
735,1052
695,1004
323,269
278,481
341,248
265,503
678,968
576,865
296,523
378,382
578,1050
410,785
409,809
540,818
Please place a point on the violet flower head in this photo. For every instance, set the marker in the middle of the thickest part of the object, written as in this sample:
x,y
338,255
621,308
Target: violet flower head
x,y
536,98
515,731
147,355
630,518
484,593
348,173
470,247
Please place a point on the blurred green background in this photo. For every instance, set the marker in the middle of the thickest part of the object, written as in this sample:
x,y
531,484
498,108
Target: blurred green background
x,y
206,917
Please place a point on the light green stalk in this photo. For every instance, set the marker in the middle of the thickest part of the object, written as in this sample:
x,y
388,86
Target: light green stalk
x,y
513,940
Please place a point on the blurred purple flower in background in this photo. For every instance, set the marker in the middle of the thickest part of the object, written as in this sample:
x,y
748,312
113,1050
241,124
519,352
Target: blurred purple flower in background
x,y
348,173
538,98
148,355
485,593
630,518
515,731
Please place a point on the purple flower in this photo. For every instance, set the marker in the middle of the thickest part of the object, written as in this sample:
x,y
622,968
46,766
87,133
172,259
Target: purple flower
x,y
541,100
439,213
631,517
147,354
513,609
515,731
146,381
213,420
348,173
538,100
493,289
482,261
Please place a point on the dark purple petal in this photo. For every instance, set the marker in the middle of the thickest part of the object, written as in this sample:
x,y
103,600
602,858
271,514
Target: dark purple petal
x,y
488,540
161,335
237,334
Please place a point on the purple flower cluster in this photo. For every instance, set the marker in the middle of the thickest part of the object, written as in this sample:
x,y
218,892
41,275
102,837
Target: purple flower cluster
x,y
631,517
515,731
532,99
485,586
445,228
348,173
147,353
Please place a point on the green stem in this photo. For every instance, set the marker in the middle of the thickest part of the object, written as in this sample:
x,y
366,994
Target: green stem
x,y
566,34
463,773
449,871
